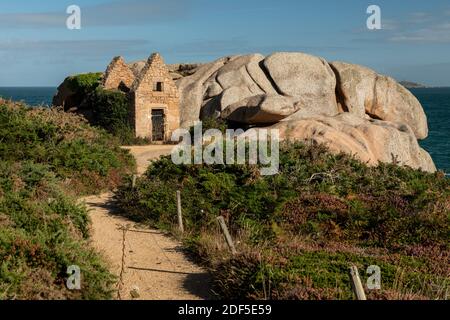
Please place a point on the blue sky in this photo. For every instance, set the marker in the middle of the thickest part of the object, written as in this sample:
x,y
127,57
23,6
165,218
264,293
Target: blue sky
x,y
36,48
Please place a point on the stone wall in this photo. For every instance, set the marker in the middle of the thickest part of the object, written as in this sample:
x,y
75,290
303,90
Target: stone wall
x,y
118,75
145,98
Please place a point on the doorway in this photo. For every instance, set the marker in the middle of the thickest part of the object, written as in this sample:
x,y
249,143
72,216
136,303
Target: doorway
x,y
158,125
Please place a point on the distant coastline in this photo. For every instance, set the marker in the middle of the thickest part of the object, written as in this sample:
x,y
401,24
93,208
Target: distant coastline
x,y
413,85
416,85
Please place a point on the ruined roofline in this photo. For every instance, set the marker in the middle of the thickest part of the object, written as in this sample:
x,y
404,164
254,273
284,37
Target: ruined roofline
x,y
182,69
111,67
154,57
135,72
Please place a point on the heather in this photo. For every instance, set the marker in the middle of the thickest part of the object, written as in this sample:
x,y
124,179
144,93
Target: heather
x,y
298,232
48,159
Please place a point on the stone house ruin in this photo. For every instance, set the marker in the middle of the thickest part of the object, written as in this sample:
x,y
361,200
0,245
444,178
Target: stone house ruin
x,y
153,96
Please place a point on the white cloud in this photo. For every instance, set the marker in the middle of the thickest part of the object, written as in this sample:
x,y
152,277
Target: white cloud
x,y
417,27
113,13
389,24
420,17
439,33
16,52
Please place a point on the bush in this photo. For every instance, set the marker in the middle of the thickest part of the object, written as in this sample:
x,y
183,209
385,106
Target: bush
x,y
107,109
84,84
64,142
298,231
47,158
76,88
110,111
42,232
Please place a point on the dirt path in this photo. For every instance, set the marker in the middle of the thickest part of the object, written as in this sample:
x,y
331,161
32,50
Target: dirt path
x,y
144,154
152,266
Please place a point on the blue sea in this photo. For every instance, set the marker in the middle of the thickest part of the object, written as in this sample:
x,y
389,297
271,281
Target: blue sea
x,y
436,102
33,96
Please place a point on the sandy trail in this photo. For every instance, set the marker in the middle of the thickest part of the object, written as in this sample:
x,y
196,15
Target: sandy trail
x,y
149,262
144,154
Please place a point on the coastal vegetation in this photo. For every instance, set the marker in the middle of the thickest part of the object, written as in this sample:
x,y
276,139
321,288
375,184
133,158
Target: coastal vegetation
x,y
48,158
107,109
83,84
298,232
110,111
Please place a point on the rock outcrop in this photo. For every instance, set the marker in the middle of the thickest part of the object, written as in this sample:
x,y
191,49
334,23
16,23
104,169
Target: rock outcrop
x,y
66,97
350,108
371,141
71,96
363,91
307,79
259,110
307,82
193,91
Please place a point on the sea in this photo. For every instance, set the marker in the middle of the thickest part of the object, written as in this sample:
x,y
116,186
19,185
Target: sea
x,y
436,102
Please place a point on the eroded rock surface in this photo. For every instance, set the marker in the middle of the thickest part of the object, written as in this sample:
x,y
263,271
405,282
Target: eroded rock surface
x,y
350,108
363,91
372,141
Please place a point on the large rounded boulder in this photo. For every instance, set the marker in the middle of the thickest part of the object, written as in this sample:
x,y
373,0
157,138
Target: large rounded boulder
x,y
371,141
309,80
363,91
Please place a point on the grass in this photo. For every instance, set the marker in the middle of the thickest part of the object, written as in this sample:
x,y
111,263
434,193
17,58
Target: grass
x,y
48,158
298,232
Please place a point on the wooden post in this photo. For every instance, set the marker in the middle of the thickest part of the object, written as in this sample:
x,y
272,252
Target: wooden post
x,y
227,235
180,217
133,181
357,286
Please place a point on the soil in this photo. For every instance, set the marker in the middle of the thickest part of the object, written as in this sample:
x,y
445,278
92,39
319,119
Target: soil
x,y
149,264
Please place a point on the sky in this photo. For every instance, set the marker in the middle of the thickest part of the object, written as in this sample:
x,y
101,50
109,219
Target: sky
x,y
37,48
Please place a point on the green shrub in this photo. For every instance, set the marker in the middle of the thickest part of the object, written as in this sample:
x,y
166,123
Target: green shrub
x,y
66,144
47,158
76,88
319,205
111,111
85,83
107,109
42,232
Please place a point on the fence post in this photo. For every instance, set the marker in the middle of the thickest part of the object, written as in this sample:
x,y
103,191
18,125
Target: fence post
x,y
180,217
133,181
227,235
357,286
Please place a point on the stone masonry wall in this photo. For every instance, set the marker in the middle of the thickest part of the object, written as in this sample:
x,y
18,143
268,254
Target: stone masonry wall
x,y
145,98
118,74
